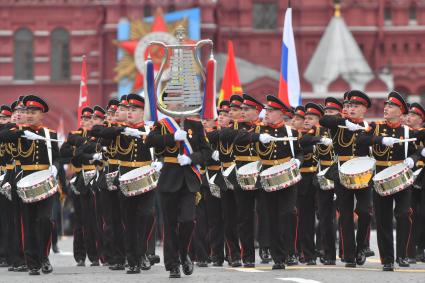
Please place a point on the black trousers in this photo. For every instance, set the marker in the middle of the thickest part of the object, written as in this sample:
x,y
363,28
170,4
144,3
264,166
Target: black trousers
x,y
37,231
89,224
215,226
384,224
113,230
200,245
230,222
326,214
179,215
139,225
352,244
78,246
263,221
281,208
16,232
417,241
307,215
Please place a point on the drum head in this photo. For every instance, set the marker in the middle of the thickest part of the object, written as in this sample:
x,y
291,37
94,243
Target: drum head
x,y
229,170
248,169
322,173
390,171
277,168
136,173
357,165
34,178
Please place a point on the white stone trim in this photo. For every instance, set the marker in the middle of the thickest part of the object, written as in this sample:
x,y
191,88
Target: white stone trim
x,y
4,32
41,59
6,59
41,33
41,78
77,59
6,78
83,32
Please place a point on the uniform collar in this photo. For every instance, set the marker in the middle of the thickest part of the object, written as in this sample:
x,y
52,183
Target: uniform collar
x,y
357,121
137,125
393,125
278,125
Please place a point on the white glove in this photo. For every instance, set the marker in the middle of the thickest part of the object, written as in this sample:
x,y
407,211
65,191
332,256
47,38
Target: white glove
x,y
215,155
5,185
423,152
131,132
326,141
97,156
265,138
180,135
157,165
30,135
54,171
184,160
353,127
298,162
388,141
409,162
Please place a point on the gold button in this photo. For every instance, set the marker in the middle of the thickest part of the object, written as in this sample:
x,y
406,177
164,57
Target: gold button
x,y
135,149
275,130
36,163
135,155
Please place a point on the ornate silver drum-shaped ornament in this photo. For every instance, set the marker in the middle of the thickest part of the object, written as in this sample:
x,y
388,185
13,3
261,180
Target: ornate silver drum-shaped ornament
x,y
181,94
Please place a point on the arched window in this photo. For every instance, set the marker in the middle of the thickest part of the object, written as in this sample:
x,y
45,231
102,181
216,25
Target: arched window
x,y
23,55
59,55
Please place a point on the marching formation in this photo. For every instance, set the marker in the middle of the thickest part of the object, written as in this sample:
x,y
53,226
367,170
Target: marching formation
x,y
299,182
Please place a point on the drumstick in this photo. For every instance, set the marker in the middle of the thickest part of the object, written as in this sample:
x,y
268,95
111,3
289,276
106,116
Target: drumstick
x,y
45,139
345,127
406,140
139,132
284,139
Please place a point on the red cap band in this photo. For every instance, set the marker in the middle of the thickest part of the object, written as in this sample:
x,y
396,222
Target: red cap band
x,y
136,102
113,107
313,111
397,102
333,105
124,102
360,99
35,104
99,114
418,111
300,112
86,114
253,104
6,113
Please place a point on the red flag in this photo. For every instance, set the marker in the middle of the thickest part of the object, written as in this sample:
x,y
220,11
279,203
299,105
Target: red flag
x,y
230,84
84,94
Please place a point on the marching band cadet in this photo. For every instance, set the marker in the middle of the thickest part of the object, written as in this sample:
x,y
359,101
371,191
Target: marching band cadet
x,y
345,132
244,154
415,120
307,188
33,156
183,149
68,150
6,206
226,115
297,121
326,209
12,168
281,204
388,152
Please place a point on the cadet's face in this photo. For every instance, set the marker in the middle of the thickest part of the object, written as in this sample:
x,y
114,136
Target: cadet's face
x,y
96,121
34,117
110,116
345,110
310,121
297,122
4,120
19,116
121,114
249,114
273,116
86,122
235,113
135,114
414,121
391,112
357,111
331,112
208,123
223,119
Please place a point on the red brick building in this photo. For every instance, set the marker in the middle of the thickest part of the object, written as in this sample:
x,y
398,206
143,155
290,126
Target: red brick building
x,y
42,41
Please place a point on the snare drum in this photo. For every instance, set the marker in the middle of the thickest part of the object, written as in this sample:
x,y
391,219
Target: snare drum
x,y
247,175
37,186
6,189
138,181
226,175
357,172
393,179
280,176
214,189
110,177
325,184
88,176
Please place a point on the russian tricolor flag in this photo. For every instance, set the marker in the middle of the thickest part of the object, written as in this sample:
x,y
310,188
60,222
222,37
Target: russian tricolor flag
x,y
289,83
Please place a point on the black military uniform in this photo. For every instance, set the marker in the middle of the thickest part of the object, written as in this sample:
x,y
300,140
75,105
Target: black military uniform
x,y
387,156
228,201
177,186
75,139
33,157
346,148
417,242
244,152
281,204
